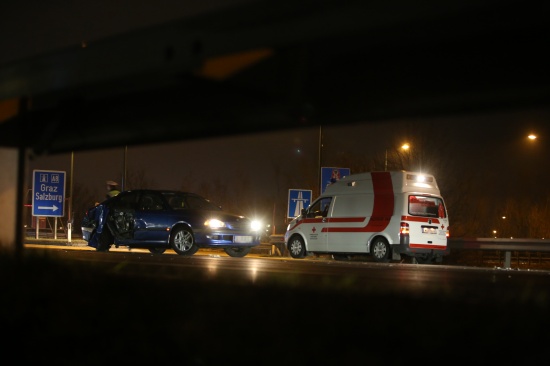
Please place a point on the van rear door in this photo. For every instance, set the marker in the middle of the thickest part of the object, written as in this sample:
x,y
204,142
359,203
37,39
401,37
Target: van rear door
x,y
427,221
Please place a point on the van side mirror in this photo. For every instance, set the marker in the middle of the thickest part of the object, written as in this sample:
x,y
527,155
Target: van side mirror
x,y
304,212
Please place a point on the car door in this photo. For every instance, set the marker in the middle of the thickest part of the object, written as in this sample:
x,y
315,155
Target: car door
x,y
153,219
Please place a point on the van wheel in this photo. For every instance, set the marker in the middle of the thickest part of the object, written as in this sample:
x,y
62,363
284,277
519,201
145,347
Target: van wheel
x,y
380,250
296,247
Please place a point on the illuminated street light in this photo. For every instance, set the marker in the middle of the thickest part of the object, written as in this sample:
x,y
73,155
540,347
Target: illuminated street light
x,y
405,147
532,137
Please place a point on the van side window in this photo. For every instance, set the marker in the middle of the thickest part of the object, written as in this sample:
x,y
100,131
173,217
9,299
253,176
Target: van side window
x,y
320,208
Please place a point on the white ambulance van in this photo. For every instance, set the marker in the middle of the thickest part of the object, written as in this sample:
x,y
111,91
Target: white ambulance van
x,y
384,214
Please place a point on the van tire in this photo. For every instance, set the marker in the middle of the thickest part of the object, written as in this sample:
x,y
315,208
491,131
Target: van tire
x,y
380,250
296,247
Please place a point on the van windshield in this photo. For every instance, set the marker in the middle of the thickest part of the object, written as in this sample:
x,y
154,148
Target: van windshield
x,y
426,206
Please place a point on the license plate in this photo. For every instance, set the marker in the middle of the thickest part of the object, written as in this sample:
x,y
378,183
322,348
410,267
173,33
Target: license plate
x,y
429,230
242,239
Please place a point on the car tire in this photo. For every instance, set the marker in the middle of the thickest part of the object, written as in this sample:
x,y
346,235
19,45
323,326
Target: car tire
x,y
182,241
297,247
237,252
380,250
105,240
157,250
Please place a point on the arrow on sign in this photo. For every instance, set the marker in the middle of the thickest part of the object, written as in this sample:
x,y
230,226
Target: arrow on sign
x,y
53,208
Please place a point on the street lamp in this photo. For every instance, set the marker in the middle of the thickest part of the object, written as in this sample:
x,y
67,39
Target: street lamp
x,y
405,147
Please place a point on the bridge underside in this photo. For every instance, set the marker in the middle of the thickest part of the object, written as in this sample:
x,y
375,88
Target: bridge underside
x,y
268,65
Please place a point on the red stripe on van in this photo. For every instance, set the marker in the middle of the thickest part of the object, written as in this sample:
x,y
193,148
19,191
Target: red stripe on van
x,y
382,210
427,246
304,221
346,219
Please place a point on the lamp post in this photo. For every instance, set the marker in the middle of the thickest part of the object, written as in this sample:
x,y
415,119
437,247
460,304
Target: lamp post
x,y
320,161
124,161
70,214
407,148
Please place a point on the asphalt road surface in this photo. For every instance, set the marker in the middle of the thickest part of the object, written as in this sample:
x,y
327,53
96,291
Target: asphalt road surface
x,y
80,306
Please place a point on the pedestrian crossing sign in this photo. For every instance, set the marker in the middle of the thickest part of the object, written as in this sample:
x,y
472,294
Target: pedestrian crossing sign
x,y
297,200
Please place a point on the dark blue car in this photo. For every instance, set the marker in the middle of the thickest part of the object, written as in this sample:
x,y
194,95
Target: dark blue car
x,y
160,219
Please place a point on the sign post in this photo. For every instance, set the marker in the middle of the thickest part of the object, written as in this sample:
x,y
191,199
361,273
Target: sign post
x,y
48,195
297,200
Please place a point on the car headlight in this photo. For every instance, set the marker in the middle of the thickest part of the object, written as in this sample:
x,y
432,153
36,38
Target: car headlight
x,y
214,223
256,225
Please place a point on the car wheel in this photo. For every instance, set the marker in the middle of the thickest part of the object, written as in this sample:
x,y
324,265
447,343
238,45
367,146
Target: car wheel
x,y
237,251
183,241
380,250
105,240
296,247
157,250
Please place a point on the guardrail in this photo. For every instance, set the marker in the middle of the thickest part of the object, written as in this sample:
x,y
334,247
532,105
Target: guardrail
x,y
484,244
503,244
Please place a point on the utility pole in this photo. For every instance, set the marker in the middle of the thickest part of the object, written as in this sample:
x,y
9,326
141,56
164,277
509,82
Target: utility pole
x,y
320,157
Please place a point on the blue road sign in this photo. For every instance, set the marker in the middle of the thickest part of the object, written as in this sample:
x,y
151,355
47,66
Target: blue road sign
x,y
48,193
298,199
331,175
